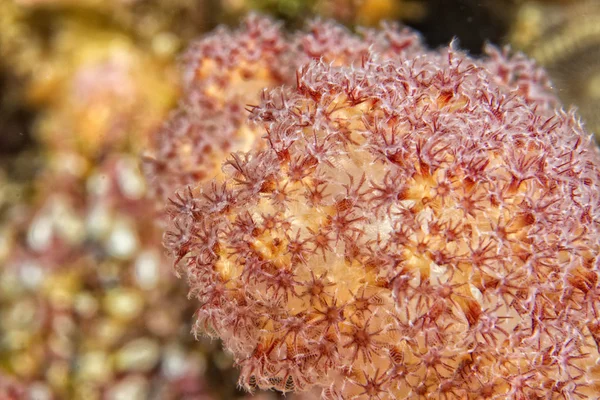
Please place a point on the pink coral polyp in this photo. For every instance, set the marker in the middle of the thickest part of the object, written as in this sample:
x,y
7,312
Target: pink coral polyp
x,y
412,226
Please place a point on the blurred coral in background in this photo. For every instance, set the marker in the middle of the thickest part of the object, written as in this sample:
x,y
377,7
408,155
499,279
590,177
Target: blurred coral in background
x,y
89,306
361,12
563,36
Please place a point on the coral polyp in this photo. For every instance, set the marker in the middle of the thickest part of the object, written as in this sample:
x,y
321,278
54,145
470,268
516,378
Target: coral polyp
x,y
409,225
227,70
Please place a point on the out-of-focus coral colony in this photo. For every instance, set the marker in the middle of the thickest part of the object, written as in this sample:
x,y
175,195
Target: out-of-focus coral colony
x,y
111,110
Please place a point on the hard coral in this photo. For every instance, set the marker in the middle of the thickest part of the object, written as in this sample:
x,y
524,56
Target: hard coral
x,y
412,224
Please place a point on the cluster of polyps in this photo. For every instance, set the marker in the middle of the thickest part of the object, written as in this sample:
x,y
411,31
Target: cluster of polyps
x,y
408,226
227,70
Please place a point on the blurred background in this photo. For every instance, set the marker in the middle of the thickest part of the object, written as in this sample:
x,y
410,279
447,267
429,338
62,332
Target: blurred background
x,y
89,305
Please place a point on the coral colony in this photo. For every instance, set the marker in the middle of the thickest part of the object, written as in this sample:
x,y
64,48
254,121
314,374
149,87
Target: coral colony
x,y
392,222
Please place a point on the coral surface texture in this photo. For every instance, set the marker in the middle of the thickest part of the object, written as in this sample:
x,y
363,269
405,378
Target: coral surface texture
x,y
391,222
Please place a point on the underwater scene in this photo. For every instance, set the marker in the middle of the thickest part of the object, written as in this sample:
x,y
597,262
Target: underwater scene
x,y
319,199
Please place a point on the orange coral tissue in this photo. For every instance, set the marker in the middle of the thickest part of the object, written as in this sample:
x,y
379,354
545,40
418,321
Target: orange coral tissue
x,y
408,224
